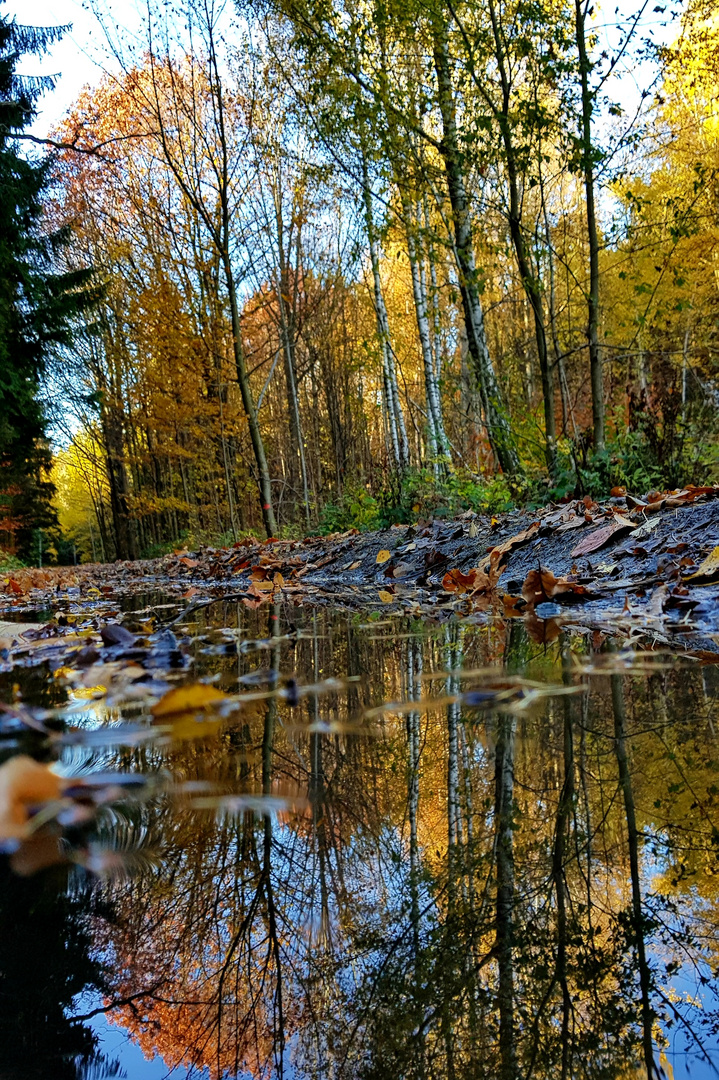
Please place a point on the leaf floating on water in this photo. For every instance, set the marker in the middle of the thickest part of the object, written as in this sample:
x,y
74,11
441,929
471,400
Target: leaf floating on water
x,y
114,634
261,805
24,784
383,556
186,699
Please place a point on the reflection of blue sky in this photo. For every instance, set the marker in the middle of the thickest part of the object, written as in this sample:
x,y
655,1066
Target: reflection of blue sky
x,y
684,985
115,1045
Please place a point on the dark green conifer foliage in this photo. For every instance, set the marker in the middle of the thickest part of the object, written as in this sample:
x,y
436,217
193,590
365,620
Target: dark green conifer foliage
x,y
38,305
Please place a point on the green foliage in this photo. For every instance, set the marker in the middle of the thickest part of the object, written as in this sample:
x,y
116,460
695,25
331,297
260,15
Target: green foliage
x,y
9,562
420,494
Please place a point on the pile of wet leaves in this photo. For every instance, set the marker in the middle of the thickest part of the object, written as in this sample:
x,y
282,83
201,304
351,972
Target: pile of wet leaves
x,y
644,565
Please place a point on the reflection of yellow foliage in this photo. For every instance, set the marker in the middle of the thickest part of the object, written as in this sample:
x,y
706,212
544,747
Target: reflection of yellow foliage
x,y
187,699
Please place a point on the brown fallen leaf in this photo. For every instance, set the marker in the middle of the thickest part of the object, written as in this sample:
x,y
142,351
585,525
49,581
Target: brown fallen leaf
x,y
541,585
355,565
498,553
383,556
600,537
197,697
475,581
541,631
513,606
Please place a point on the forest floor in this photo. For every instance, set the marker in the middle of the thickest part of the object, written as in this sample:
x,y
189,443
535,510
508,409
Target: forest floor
x,y
638,569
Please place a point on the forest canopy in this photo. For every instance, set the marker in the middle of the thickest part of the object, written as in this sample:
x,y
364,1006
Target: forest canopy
x,y
360,263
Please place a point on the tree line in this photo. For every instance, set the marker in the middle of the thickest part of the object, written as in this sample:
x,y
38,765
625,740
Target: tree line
x,y
360,263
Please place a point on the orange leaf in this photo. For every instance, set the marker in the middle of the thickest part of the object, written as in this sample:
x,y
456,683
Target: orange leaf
x,y
24,783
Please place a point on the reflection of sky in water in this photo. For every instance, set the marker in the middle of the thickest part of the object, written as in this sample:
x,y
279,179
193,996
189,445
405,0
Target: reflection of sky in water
x,y
339,835
115,1045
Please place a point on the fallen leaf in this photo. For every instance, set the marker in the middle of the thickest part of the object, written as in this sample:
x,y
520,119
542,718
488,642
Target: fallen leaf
x,y
24,784
542,631
541,585
383,556
184,699
474,581
401,569
513,606
600,537
355,565
657,600
385,597
707,569
114,634
191,563
498,553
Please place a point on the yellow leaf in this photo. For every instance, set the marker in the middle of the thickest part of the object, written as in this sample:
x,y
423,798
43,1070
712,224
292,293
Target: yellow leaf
x,y
64,673
87,693
383,556
278,581
185,699
709,568
385,597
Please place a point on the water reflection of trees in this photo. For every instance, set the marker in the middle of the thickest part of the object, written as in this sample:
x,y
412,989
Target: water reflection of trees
x,y
504,894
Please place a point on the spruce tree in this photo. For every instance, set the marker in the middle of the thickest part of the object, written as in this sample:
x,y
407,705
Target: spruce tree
x,y
38,304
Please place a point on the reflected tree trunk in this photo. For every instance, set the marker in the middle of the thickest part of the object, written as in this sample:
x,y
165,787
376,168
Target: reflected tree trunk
x,y
504,843
638,922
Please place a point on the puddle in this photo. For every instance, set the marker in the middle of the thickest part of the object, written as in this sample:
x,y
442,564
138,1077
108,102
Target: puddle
x,y
385,849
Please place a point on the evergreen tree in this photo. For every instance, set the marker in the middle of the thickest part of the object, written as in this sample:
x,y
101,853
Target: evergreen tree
x,y
38,305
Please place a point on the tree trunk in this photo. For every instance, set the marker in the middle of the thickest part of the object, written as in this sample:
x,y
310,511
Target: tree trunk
x,y
595,359
495,412
530,282
437,438
258,446
395,415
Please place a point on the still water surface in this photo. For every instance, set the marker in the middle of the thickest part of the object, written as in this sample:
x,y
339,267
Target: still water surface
x,y
510,871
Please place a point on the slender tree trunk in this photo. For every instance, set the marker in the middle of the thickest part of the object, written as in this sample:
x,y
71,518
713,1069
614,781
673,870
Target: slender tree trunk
x,y
435,422
625,781
288,344
395,415
504,800
495,413
263,473
595,359
529,279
